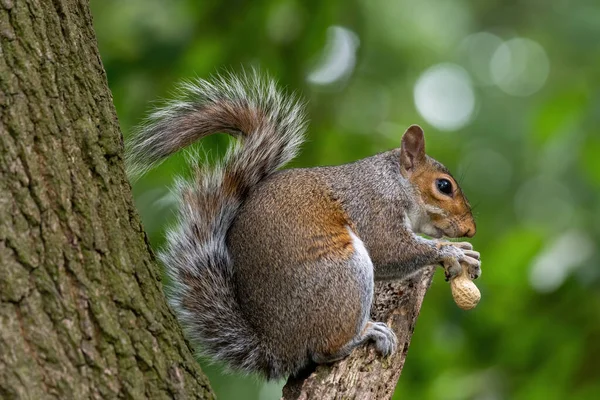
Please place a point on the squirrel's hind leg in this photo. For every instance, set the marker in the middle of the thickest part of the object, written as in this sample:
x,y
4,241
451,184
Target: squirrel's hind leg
x,y
384,337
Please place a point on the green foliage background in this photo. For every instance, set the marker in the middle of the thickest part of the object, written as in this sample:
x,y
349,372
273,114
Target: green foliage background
x,y
530,164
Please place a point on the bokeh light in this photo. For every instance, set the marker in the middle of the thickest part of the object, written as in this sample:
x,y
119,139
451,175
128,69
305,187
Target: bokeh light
x,y
338,58
444,97
476,52
553,265
520,67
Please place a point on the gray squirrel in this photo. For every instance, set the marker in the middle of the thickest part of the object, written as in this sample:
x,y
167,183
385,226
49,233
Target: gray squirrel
x,y
272,270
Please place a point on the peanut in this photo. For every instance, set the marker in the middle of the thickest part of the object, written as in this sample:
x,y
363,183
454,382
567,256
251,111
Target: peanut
x,y
465,293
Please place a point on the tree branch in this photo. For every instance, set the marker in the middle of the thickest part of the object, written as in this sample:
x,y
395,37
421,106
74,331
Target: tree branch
x,y
364,374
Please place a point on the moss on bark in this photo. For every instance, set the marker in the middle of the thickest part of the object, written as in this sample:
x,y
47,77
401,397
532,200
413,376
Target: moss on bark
x,y
82,313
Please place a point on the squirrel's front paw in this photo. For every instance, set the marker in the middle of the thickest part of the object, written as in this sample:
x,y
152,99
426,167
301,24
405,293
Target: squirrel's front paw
x,y
383,336
456,254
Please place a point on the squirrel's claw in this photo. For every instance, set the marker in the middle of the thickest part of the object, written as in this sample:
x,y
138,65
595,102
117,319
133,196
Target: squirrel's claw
x,y
472,254
452,268
474,269
472,260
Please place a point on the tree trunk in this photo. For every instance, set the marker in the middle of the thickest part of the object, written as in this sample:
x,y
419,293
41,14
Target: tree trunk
x,y
365,375
82,313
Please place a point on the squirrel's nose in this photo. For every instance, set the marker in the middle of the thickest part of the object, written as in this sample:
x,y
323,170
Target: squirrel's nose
x,y
470,232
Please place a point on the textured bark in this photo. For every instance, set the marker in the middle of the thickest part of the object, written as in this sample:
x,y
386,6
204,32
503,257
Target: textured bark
x,y
364,375
82,313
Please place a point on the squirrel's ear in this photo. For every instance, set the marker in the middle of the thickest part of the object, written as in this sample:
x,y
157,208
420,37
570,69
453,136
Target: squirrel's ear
x,y
412,152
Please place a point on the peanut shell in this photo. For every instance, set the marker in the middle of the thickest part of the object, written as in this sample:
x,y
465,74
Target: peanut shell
x,y
466,295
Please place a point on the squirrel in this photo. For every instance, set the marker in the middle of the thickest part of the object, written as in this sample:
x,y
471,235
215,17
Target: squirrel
x,y
272,270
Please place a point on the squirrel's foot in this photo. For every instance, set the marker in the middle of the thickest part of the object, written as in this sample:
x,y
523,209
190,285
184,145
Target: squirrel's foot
x,y
383,336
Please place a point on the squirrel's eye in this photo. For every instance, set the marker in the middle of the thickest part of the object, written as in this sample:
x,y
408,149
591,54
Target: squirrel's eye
x,y
444,186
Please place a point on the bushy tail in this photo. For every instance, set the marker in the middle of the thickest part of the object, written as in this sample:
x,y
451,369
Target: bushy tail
x,y
270,127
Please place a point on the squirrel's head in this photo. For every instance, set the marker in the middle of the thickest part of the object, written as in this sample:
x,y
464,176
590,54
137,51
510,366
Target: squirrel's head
x,y
442,209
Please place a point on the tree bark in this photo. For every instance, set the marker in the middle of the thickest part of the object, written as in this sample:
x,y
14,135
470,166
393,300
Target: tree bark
x,y
365,375
82,313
